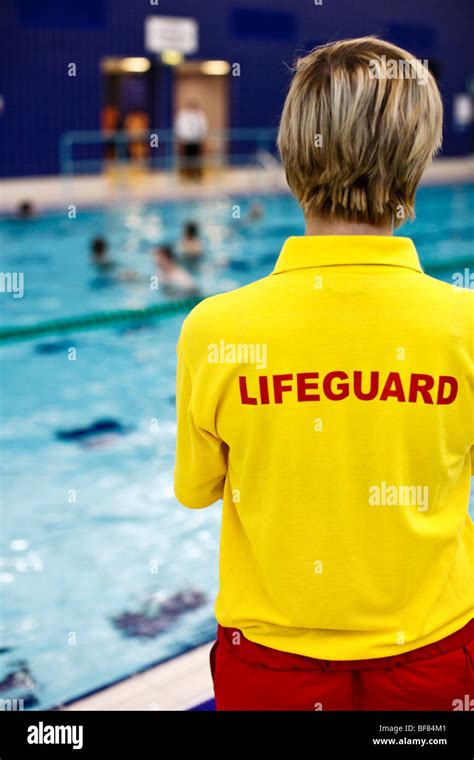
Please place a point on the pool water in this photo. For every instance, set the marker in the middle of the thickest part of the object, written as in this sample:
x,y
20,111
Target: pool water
x,y
52,252
91,532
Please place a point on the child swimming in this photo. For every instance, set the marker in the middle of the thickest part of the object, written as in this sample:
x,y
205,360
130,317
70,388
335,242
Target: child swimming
x,y
173,279
190,244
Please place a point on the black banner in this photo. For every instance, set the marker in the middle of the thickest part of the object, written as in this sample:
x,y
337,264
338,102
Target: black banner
x,y
63,734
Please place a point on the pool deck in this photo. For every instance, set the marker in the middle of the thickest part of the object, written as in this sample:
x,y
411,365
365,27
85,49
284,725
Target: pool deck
x,y
178,684
133,185
129,186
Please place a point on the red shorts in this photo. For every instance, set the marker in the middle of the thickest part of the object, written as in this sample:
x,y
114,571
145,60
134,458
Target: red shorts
x,y
249,676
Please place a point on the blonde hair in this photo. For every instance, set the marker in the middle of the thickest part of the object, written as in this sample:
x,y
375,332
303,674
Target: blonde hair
x,y
356,133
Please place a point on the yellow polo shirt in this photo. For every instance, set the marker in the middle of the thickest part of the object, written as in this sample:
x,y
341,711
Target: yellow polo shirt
x,y
330,406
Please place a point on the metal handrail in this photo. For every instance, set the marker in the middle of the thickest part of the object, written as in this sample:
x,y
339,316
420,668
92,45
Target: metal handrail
x,y
263,137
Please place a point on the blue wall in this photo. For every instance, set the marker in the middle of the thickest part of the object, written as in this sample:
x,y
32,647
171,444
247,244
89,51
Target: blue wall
x,y
40,38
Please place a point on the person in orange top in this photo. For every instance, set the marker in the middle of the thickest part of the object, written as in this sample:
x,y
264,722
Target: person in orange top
x,y
330,406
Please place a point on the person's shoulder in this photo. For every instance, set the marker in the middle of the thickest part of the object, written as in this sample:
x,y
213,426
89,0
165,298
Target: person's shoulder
x,y
218,309
448,291
465,298
450,299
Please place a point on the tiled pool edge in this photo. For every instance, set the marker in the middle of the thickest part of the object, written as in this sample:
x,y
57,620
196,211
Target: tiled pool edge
x,y
180,683
92,191
54,192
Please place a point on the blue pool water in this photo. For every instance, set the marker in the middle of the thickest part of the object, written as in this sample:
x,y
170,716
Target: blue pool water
x,y
53,251
90,529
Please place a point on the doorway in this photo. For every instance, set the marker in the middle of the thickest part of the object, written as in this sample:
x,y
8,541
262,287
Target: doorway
x,y
207,83
128,106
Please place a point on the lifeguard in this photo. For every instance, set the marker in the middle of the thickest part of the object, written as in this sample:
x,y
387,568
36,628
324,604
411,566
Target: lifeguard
x,y
338,385
328,595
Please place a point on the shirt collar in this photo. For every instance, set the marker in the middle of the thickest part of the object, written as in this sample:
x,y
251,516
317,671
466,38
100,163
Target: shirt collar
x,y
303,251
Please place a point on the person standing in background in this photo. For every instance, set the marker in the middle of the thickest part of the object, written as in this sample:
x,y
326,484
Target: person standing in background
x,y
110,124
190,128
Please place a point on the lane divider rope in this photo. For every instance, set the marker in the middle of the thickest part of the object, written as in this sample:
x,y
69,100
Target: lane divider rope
x,y
97,320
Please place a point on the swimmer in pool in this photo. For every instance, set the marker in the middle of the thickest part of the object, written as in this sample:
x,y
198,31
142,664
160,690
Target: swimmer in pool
x,y
25,211
99,257
156,614
191,244
106,266
99,433
173,279
255,212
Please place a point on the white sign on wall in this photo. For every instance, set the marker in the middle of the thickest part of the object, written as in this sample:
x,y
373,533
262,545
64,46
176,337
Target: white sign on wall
x,y
171,33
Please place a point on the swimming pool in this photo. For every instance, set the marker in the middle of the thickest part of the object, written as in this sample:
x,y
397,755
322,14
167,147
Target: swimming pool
x,y
101,571
52,252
